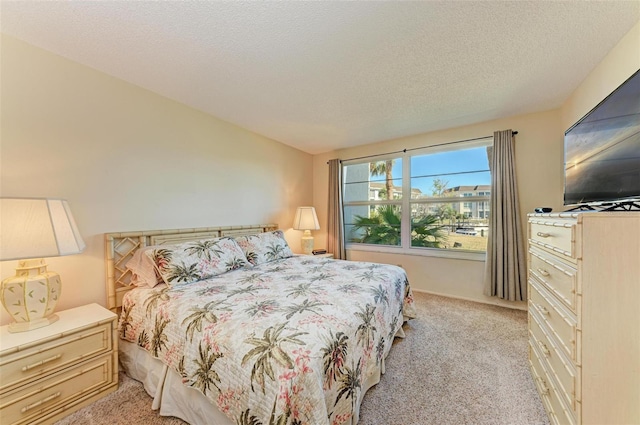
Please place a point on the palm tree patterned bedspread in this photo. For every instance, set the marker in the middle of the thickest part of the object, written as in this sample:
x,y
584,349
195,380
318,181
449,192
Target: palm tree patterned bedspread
x,y
287,342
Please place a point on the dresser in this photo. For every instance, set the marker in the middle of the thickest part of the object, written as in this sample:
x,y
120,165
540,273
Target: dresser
x,y
48,373
584,315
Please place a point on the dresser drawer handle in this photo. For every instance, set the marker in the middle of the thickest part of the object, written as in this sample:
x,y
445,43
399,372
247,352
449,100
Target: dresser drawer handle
x,y
543,272
38,403
41,362
544,349
542,309
543,235
543,387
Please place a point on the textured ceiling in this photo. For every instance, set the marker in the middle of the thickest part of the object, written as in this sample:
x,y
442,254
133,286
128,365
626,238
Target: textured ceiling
x,y
326,75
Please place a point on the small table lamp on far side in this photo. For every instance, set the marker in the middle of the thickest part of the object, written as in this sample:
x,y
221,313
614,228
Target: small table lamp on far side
x,y
29,230
307,220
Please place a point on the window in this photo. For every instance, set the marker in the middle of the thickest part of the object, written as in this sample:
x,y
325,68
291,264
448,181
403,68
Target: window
x,y
372,202
433,200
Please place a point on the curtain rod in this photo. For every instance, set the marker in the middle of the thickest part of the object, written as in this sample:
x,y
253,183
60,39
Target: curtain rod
x,y
421,147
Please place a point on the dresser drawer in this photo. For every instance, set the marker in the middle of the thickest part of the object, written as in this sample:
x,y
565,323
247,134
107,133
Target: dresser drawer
x,y
560,369
561,324
21,367
557,276
558,413
32,403
557,236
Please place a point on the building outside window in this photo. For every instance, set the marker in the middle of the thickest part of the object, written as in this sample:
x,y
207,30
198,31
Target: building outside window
x,y
435,199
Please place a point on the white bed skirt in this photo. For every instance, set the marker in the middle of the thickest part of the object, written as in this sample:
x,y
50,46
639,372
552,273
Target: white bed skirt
x,y
175,399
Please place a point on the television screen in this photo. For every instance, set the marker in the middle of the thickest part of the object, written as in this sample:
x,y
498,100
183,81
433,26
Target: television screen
x,y
602,150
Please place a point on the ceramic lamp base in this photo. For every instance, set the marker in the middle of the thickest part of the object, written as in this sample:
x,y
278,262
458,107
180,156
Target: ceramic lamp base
x,y
31,295
33,324
307,242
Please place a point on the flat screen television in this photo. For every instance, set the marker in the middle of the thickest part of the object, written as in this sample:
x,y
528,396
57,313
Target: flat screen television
x,y
602,150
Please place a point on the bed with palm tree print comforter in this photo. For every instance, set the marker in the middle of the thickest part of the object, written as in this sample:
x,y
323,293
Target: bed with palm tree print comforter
x,y
287,342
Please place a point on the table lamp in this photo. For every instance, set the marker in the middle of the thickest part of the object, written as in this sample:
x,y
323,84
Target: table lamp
x,y
306,220
29,230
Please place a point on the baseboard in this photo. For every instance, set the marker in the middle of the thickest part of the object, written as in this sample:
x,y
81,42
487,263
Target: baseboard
x,y
513,307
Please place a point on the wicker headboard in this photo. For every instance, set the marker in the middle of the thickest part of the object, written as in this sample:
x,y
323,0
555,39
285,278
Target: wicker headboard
x,y
119,248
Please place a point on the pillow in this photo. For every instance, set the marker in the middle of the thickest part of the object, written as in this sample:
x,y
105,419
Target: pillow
x,y
264,247
197,260
143,270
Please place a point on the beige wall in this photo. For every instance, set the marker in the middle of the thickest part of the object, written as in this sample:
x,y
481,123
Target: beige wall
x,y
619,64
128,159
539,162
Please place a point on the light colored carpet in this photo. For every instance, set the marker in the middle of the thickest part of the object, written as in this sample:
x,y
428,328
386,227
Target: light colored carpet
x,y
460,363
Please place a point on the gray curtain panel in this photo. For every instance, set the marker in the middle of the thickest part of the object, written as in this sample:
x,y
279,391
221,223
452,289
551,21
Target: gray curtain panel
x,y
335,236
505,273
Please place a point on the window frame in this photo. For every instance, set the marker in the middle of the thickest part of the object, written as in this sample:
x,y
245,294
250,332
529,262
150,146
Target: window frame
x,y
405,205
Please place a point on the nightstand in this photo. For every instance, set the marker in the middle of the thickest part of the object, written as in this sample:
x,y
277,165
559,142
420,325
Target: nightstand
x,y
50,372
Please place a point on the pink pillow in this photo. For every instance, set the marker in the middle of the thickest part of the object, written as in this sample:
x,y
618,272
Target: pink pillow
x,y
143,271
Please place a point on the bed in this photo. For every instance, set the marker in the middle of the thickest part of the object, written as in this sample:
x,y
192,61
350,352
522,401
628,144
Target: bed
x,y
281,339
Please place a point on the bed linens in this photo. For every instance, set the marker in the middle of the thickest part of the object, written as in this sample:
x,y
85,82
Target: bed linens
x,y
289,342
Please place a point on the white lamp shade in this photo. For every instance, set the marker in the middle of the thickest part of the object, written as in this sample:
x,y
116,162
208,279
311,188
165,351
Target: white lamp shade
x,y
36,228
306,219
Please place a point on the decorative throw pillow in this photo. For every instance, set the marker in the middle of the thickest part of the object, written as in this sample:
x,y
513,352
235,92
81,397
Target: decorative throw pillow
x,y
264,247
143,271
193,261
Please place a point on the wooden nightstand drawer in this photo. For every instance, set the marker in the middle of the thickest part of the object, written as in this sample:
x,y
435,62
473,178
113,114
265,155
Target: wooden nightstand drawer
x,y
44,397
49,372
24,366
